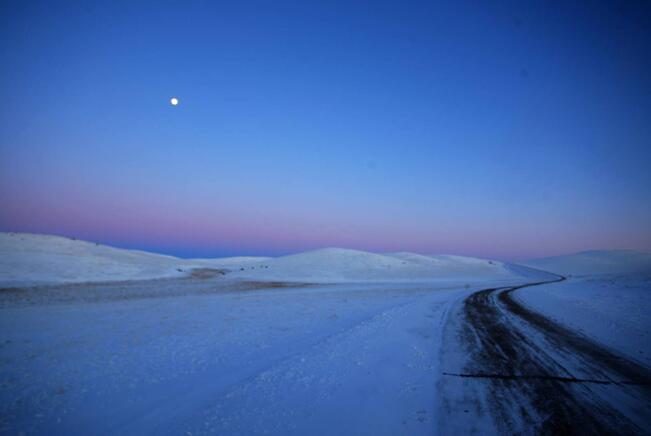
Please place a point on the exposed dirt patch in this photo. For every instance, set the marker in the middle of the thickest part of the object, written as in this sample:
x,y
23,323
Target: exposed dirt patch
x,y
207,273
207,283
253,285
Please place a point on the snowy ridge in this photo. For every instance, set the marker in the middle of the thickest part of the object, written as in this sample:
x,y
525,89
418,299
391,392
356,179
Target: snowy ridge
x,y
595,262
342,265
529,272
27,259
225,262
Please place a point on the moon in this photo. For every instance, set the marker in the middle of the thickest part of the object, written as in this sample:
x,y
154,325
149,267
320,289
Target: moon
x,y
174,101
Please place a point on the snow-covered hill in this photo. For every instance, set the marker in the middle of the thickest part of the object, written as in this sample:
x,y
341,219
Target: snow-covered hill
x,y
595,262
340,264
27,259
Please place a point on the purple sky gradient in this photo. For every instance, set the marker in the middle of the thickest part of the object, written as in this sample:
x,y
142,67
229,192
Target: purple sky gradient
x,y
508,131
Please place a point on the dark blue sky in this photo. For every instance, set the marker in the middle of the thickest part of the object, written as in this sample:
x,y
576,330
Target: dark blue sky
x,y
503,129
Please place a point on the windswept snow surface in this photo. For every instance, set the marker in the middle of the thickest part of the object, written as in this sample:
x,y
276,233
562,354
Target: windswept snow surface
x,y
28,259
610,308
595,262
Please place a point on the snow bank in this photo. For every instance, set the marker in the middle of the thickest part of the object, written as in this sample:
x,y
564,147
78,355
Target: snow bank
x,y
595,262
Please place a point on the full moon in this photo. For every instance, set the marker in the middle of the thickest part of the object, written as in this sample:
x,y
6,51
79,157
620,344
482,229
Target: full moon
x,y
174,101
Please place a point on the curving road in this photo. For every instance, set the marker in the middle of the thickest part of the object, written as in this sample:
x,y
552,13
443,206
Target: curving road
x,y
516,371
190,356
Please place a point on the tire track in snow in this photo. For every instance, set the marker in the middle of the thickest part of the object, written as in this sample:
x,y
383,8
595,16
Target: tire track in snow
x,y
519,364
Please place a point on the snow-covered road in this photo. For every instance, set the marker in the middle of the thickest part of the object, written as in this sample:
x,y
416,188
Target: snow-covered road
x,y
513,370
204,356
341,358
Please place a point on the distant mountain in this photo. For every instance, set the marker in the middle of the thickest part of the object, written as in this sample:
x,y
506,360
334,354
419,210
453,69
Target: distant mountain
x,y
595,262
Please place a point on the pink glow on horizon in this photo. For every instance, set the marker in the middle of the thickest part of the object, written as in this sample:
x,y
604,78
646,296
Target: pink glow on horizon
x,y
147,221
146,228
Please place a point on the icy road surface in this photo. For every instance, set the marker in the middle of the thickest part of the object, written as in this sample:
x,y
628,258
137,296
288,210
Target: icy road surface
x,y
212,356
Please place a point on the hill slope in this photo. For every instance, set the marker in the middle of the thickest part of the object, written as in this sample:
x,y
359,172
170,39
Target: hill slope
x,y
27,258
595,262
339,264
